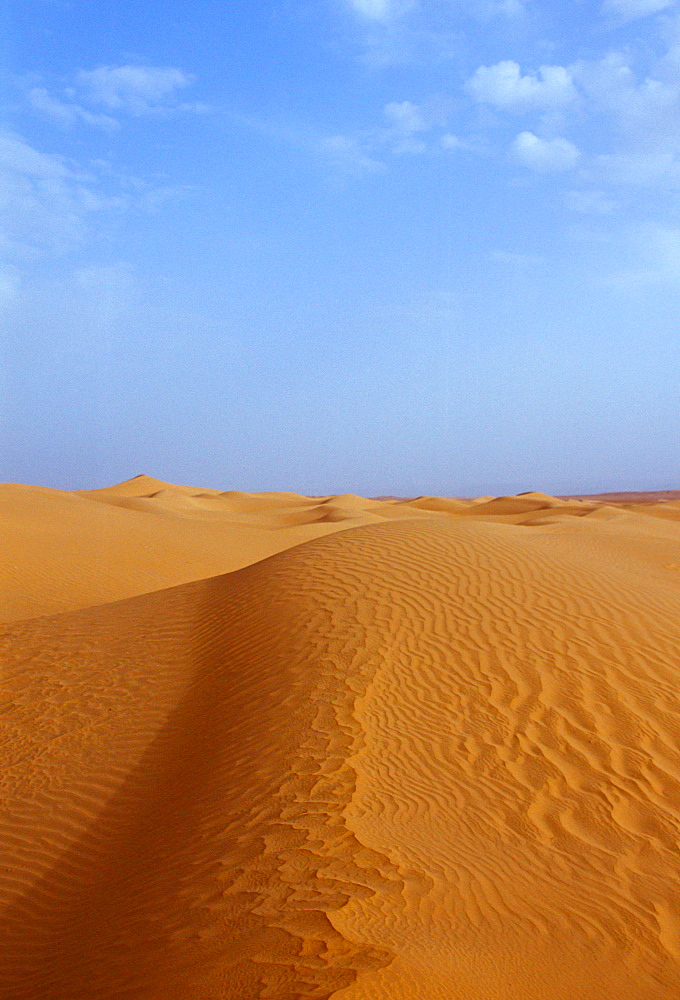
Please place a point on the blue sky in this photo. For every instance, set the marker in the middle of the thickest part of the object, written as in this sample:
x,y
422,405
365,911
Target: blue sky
x,y
378,246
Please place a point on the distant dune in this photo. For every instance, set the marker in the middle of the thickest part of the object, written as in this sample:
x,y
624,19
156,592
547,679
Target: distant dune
x,y
629,498
285,747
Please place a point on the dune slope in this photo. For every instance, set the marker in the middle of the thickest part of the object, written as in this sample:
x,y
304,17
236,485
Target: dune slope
x,y
68,550
429,758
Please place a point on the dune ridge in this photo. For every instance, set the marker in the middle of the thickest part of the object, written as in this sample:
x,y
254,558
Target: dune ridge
x,y
69,550
180,784
425,755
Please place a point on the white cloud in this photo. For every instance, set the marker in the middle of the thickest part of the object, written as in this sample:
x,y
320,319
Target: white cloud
x,y
406,116
407,124
403,32
631,10
634,120
134,89
544,155
504,86
388,10
644,112
66,113
411,128
43,200
511,8
348,157
381,10
17,157
377,10
48,202
646,109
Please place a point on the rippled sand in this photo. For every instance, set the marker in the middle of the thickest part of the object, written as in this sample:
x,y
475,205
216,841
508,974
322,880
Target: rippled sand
x,y
367,749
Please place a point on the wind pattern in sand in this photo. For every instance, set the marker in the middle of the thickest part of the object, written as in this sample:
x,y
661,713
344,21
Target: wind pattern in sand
x,y
367,749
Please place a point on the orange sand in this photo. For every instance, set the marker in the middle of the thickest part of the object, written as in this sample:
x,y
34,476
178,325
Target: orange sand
x,y
369,749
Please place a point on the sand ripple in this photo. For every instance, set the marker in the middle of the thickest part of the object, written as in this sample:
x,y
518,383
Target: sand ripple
x,y
431,756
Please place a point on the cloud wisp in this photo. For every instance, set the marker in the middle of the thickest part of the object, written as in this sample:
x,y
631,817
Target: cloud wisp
x,y
545,155
633,119
103,97
632,10
347,156
401,32
66,113
135,90
381,11
408,128
503,86
47,200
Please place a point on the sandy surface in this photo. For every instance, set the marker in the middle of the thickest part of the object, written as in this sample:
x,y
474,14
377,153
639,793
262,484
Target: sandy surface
x,y
368,749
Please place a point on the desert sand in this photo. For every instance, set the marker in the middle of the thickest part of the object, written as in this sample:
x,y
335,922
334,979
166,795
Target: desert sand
x,y
286,747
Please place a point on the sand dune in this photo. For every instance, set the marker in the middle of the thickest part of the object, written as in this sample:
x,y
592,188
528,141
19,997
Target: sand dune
x,y
65,551
431,752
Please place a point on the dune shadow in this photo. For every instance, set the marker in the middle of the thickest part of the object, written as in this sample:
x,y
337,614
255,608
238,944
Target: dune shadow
x,y
212,869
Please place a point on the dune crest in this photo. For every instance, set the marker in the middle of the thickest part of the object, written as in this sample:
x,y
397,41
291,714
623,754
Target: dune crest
x,y
181,783
65,551
421,754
